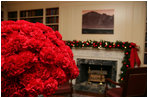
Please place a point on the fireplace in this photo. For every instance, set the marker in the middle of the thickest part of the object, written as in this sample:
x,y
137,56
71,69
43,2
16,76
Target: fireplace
x,y
111,61
83,82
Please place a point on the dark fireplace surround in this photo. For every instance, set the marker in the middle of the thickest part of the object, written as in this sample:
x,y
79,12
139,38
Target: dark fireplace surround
x,y
94,64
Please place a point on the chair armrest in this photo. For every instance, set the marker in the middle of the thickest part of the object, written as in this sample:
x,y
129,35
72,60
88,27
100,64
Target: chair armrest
x,y
107,80
113,82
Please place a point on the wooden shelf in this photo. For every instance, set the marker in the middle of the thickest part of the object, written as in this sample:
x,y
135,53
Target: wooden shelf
x,y
52,23
33,17
51,15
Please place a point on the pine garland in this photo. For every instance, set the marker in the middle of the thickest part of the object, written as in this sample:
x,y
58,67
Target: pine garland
x,y
124,46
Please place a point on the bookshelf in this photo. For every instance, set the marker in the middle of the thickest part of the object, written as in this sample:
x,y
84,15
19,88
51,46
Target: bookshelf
x,y
52,18
2,16
12,15
48,16
32,15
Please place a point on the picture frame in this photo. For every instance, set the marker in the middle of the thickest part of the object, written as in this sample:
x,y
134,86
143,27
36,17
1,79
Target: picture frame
x,y
98,21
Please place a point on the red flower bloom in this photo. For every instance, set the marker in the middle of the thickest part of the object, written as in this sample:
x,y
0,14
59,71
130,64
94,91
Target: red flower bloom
x,y
34,60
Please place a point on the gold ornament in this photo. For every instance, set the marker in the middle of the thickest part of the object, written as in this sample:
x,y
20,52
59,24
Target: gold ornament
x,y
100,47
106,43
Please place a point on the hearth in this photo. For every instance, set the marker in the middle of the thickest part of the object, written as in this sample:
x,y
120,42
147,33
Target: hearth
x,y
90,81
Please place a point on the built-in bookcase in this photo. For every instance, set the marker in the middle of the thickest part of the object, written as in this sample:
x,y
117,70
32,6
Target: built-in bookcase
x,y
12,15
32,15
52,18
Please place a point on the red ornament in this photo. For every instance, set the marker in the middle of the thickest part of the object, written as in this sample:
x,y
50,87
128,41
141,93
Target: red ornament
x,y
123,42
127,65
118,45
126,53
110,46
130,46
105,45
94,45
122,45
100,43
71,44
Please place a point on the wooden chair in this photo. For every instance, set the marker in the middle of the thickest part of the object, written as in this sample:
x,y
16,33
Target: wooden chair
x,y
134,84
65,89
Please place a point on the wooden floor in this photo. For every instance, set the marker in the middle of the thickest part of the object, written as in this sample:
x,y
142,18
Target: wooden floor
x,y
81,94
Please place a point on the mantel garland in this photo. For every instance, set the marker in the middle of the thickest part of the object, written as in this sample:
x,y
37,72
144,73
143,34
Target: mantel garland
x,y
129,48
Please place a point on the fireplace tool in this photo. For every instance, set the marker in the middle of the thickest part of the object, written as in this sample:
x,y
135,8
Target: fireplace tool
x,y
89,76
101,76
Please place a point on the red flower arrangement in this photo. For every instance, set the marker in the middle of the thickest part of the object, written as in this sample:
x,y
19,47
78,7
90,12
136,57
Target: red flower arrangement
x,y
34,59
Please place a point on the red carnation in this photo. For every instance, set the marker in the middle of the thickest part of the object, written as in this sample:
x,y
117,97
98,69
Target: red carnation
x,y
34,59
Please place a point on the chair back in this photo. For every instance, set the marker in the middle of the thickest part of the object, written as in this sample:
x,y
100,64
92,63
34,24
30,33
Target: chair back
x,y
135,83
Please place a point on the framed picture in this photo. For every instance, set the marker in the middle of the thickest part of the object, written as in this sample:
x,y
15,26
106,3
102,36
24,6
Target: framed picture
x,y
98,21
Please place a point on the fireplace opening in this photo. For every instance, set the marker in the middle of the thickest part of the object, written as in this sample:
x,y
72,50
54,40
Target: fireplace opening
x,y
93,73
84,71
